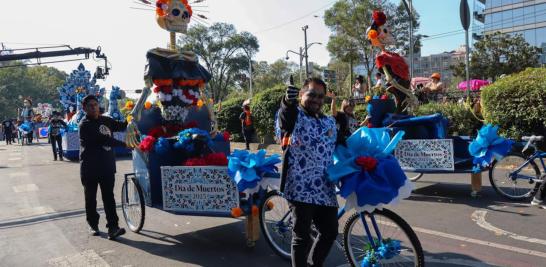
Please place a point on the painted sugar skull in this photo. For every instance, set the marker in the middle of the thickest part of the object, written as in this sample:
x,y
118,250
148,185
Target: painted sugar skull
x,y
173,15
177,96
379,33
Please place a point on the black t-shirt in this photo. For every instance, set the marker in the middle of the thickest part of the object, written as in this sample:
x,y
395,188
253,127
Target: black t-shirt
x,y
7,125
56,126
243,118
346,126
96,142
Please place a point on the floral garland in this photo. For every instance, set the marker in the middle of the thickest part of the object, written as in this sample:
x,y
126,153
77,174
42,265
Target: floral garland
x,y
186,141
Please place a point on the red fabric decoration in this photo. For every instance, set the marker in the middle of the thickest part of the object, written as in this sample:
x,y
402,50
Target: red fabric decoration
x,y
226,136
147,144
195,162
216,159
384,97
367,163
157,132
167,89
396,62
379,18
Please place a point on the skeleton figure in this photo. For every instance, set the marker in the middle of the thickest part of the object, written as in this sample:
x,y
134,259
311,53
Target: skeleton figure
x,y
391,64
173,15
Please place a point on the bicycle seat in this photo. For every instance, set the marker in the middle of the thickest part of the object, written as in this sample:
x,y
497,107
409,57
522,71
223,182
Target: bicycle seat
x,y
532,138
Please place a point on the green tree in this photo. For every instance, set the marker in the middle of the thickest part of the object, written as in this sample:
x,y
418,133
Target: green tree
x,y
349,19
268,75
499,54
39,83
224,52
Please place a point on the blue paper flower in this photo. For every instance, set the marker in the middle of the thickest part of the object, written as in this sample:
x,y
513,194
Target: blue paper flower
x,y
186,141
247,169
367,189
388,249
162,146
487,146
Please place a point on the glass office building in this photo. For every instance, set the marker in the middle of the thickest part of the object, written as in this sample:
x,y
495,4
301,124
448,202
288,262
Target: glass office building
x,y
525,17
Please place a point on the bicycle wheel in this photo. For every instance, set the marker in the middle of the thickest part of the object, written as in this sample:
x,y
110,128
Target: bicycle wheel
x,y
391,227
276,223
132,205
514,186
414,176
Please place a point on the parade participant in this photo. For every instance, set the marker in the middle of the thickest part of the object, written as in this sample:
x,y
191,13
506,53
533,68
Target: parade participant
x,y
378,80
98,165
56,124
345,119
359,87
7,126
247,124
308,141
435,87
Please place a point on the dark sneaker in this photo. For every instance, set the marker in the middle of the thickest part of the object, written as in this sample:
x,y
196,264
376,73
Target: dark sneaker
x,y
115,232
94,231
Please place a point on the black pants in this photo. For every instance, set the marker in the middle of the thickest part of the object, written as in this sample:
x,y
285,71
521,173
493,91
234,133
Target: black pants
x,y
90,185
57,145
541,194
325,220
247,133
8,138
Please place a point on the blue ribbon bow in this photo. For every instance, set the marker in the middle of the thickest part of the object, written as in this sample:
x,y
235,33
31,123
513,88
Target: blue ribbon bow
x,y
487,146
247,169
372,187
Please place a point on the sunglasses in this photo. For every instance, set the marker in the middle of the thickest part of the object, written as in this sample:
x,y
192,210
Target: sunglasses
x,y
315,95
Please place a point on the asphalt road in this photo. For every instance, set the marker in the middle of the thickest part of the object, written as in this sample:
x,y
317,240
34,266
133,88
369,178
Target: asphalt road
x,y
42,223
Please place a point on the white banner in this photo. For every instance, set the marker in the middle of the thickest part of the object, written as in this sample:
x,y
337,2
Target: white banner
x,y
426,155
199,190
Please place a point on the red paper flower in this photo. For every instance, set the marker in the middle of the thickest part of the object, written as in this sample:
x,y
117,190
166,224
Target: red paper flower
x,y
367,163
379,18
216,159
147,144
167,89
384,97
226,136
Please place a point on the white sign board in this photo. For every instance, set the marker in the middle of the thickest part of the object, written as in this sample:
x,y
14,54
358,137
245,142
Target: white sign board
x,y
198,190
426,155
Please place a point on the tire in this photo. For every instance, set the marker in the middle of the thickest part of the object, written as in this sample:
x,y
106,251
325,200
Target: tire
x,y
390,220
414,176
277,233
133,209
506,186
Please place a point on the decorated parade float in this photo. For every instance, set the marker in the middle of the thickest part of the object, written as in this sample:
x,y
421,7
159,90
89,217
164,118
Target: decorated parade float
x,y
77,85
180,158
426,147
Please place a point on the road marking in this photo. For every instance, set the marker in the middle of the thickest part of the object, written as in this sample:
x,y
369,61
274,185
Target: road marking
x,y
18,174
481,242
85,258
25,188
479,217
36,211
14,159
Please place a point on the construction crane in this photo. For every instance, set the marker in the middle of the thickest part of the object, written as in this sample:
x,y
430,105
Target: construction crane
x,y
39,53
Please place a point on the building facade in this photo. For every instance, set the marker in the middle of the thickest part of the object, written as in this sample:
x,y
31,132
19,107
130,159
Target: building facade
x,y
425,66
524,17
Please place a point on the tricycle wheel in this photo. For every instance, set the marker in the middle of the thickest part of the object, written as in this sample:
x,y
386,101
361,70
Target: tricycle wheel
x,y
132,205
511,183
414,176
276,223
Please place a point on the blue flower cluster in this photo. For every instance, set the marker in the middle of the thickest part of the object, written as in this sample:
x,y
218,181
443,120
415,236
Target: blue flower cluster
x,y
387,250
247,169
487,146
186,139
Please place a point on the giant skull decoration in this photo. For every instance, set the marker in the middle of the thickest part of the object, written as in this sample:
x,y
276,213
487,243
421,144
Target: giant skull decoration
x,y
173,15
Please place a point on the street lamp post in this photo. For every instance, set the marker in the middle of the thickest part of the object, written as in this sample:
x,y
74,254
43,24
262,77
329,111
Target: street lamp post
x,y
305,28
303,54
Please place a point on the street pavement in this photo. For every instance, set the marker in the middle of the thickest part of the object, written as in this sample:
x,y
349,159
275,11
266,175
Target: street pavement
x,y
42,223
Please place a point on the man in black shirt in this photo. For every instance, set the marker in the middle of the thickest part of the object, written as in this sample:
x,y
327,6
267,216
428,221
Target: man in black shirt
x,y
7,126
98,165
56,124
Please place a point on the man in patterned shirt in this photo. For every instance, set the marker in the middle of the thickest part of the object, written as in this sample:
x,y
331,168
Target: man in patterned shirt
x,y
308,141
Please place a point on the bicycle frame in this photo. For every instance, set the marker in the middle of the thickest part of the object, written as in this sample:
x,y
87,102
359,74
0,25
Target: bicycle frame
x,y
537,155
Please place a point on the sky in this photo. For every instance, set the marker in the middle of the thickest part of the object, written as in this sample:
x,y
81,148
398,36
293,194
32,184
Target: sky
x,y
126,34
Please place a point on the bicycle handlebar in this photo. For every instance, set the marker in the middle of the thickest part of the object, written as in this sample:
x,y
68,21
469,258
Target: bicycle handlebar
x,y
531,140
